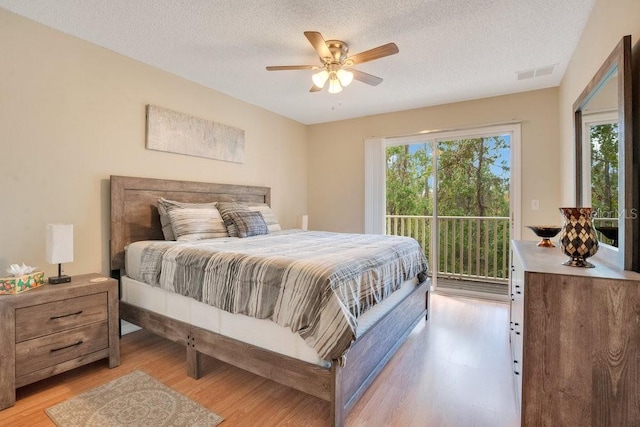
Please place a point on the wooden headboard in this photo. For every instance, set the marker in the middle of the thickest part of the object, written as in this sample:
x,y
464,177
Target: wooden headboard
x,y
134,211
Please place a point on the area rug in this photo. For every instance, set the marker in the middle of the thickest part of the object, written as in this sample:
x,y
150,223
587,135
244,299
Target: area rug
x,y
133,400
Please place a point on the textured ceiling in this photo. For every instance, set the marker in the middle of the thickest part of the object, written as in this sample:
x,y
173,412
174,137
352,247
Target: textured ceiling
x,y
450,50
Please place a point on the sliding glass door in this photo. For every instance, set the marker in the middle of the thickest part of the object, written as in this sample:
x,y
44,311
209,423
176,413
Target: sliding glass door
x,y
452,193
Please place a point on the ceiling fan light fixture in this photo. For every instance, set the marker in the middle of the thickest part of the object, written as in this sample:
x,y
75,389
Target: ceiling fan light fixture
x,y
334,85
336,63
345,77
319,79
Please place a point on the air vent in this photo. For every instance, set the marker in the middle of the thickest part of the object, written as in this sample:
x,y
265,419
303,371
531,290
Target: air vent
x,y
529,74
547,70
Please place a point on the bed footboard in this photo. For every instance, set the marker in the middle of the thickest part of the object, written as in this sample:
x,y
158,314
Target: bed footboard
x,y
341,386
306,377
371,352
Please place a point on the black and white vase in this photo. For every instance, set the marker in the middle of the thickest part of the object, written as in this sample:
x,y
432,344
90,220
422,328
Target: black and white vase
x,y
578,238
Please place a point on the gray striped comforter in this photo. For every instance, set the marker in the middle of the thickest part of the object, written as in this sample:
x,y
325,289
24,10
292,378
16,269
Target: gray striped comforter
x,y
315,283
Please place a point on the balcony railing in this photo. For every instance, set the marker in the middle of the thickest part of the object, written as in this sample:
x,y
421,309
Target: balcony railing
x,y
470,247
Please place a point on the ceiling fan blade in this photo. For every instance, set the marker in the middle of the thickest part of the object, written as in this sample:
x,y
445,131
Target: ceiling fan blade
x,y
366,78
315,88
292,67
318,43
375,53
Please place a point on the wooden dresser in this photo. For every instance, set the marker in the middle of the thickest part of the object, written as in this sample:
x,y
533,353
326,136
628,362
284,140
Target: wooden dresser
x,y
55,328
575,339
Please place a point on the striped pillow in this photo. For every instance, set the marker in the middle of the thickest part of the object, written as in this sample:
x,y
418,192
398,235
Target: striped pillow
x,y
226,209
165,221
195,221
249,223
268,215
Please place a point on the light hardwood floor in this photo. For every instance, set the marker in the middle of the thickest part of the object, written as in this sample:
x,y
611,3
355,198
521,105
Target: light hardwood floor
x,y
454,370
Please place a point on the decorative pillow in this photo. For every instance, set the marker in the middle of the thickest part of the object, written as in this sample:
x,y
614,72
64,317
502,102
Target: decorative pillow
x,y
249,223
165,221
195,221
268,215
226,208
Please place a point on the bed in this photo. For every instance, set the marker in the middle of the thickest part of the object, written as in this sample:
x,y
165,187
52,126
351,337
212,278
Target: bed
x,y
340,381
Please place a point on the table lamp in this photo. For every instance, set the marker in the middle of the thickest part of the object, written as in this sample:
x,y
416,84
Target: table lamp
x,y
59,249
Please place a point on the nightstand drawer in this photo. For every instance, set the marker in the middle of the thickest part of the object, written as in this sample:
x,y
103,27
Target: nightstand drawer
x,y
44,319
53,349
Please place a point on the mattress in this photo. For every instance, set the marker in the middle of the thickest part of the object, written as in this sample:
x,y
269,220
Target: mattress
x,y
259,332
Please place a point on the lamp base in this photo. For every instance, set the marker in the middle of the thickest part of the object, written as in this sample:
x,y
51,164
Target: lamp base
x,y
59,279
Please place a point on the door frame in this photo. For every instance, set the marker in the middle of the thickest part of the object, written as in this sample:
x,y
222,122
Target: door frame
x,y
433,137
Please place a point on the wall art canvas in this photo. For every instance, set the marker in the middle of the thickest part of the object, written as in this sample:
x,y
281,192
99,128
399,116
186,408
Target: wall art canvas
x,y
180,133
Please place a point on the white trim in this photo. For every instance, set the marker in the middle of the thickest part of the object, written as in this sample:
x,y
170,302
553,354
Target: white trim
x,y
588,120
375,185
515,181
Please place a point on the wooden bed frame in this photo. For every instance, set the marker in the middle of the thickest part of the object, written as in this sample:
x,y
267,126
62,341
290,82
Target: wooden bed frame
x,y
134,217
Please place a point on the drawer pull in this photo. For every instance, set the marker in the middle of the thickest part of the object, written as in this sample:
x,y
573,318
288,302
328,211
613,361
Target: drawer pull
x,y
53,350
516,372
65,315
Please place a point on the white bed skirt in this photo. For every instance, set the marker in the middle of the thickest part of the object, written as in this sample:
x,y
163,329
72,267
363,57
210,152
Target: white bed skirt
x,y
259,332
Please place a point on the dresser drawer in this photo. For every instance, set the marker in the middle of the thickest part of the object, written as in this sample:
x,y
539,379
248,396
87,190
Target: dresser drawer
x,y
39,353
44,319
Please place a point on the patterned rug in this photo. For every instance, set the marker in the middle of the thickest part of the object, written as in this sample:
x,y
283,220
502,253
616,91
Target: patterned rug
x,y
133,400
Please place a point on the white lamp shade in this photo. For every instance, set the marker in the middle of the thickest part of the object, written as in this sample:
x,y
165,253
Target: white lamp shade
x,y
345,77
319,79
334,85
59,243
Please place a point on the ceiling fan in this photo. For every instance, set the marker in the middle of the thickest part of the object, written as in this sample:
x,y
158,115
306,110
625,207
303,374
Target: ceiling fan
x,y
336,65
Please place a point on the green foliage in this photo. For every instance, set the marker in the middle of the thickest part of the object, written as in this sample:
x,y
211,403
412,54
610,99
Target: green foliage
x,y
468,184
604,170
473,180
408,190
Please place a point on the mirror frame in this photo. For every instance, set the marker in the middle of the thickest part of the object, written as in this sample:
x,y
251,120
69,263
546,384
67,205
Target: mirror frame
x,y
620,59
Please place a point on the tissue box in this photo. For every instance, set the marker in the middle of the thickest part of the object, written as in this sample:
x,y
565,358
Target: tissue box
x,y
15,285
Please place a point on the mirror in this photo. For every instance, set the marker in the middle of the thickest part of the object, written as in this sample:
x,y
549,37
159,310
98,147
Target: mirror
x,y
600,153
604,157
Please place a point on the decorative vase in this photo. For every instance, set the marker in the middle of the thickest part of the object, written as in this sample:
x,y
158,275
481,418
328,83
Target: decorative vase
x,y
577,237
546,233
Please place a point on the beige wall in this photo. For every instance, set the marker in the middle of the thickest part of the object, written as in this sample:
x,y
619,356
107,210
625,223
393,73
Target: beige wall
x,y
71,114
608,23
336,154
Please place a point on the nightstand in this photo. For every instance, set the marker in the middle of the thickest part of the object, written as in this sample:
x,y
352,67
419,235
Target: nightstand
x,y
55,328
